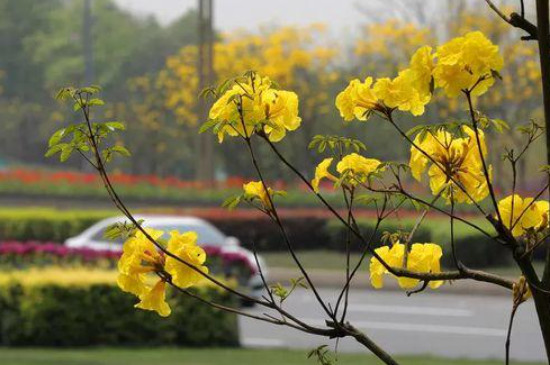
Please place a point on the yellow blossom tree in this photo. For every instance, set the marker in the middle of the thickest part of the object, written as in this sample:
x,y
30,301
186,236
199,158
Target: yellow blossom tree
x,y
292,56
451,158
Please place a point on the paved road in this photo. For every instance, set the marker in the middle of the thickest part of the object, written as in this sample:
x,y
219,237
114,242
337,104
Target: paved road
x,y
471,326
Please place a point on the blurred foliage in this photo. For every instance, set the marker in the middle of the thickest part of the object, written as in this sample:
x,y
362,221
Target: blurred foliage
x,y
149,75
309,231
41,49
89,310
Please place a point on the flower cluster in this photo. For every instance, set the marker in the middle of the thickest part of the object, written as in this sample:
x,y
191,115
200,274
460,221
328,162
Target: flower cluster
x,y
456,169
141,257
522,215
467,63
285,54
464,64
46,179
21,254
353,168
251,104
422,258
255,190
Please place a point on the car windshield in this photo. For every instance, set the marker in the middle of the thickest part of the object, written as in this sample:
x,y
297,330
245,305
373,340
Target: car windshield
x,y
207,235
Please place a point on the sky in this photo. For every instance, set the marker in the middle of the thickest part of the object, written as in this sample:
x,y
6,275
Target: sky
x,y
233,14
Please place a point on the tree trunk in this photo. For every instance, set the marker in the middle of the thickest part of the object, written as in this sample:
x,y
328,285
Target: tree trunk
x,y
542,300
542,304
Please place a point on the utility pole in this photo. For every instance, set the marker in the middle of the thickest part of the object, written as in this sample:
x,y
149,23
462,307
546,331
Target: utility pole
x,y
87,55
87,43
205,69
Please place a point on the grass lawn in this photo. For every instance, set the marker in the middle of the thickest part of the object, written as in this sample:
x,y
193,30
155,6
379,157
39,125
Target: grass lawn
x,y
196,357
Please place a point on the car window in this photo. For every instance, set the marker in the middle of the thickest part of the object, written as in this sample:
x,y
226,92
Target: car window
x,y
98,236
207,235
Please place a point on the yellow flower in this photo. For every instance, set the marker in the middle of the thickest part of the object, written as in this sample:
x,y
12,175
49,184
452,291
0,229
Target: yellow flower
x,y
402,93
543,208
357,100
184,246
421,66
521,291
523,215
258,102
377,270
321,172
422,258
140,257
255,190
281,109
245,96
155,300
452,160
225,110
409,91
467,63
357,166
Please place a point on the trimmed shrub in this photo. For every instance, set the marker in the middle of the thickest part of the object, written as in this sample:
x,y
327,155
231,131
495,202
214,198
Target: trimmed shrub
x,y
101,314
473,248
336,233
46,224
305,232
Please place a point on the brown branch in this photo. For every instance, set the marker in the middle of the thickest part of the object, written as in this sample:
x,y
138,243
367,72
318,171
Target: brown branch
x,y
517,21
121,206
390,119
497,10
451,275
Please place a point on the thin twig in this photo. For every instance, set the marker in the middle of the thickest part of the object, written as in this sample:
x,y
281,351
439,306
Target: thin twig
x,y
476,275
509,332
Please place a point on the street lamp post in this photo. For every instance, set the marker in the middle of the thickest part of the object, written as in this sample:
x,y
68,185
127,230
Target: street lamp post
x,y
205,69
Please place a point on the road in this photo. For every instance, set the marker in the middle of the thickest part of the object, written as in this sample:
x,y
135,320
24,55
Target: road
x,y
440,324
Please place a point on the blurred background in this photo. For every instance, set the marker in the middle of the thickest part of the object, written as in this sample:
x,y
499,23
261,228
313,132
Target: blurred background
x,y
152,58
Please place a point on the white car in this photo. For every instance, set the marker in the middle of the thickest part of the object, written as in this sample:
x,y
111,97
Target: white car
x,y
210,237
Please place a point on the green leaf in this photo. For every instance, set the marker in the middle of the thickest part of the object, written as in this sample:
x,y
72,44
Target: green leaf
x,y
64,93
414,130
56,137
115,125
500,125
66,152
92,89
206,92
107,155
54,149
96,102
208,125
232,202
121,150
279,291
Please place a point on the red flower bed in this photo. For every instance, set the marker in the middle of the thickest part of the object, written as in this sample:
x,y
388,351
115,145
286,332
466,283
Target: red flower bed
x,y
16,253
37,177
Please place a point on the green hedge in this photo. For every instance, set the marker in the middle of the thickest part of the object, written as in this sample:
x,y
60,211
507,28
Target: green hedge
x,y
473,248
46,224
101,314
306,233
337,233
